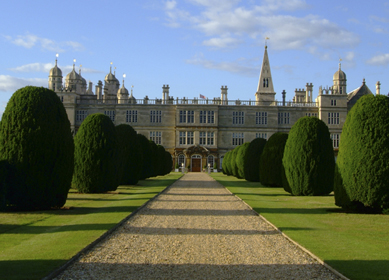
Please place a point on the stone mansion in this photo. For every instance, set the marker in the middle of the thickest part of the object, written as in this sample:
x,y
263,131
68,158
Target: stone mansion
x,y
199,131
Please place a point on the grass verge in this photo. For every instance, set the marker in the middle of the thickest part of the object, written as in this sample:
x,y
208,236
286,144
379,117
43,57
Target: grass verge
x,y
357,245
32,244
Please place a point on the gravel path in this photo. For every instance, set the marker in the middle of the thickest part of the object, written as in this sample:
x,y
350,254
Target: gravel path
x,y
196,230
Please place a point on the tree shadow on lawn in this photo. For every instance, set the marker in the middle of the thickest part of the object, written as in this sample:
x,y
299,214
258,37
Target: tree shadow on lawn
x,y
31,229
107,199
319,211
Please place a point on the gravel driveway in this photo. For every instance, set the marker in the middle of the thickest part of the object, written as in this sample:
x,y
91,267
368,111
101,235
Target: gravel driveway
x,y
196,230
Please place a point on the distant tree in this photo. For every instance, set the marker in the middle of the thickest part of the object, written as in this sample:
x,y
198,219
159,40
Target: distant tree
x,y
309,158
272,170
37,145
96,149
131,160
254,152
241,159
361,181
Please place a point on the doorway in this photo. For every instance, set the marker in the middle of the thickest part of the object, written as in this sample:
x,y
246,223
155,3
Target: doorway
x,y
196,163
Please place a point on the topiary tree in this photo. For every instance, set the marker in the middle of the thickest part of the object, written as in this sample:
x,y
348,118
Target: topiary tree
x,y
234,167
251,171
363,170
225,163
241,159
168,163
95,156
161,160
37,143
309,158
272,170
131,160
154,158
146,169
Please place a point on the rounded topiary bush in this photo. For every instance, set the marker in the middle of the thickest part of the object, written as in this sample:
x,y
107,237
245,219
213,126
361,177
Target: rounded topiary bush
x,y
272,170
36,140
161,160
254,153
363,156
168,163
154,158
95,156
241,159
234,167
146,169
309,158
225,163
130,156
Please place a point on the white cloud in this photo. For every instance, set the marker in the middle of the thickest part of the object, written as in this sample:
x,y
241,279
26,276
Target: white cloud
x,y
241,66
232,21
381,59
28,41
225,42
11,84
46,67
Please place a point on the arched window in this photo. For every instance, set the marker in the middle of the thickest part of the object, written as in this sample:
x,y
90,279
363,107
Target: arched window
x,y
264,82
181,160
210,160
267,82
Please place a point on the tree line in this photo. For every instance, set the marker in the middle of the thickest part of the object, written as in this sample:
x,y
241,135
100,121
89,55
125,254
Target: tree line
x,y
303,163
40,160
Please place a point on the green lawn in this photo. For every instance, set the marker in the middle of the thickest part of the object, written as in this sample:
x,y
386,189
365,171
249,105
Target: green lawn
x,y
32,244
357,245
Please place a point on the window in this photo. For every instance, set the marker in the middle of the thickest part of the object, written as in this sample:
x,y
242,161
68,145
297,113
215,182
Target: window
x,y
333,118
156,136
261,135
186,116
335,140
110,114
237,139
203,138
132,116
181,160
260,117
210,138
237,117
81,115
155,116
283,118
189,138
182,137
333,102
311,114
207,116
210,161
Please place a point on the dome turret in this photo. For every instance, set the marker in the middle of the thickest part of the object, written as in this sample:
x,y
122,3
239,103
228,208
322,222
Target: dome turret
x,y
339,82
55,71
55,77
339,75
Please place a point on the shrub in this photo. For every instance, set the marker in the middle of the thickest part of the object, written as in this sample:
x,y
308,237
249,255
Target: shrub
x,y
161,158
168,163
131,159
95,156
364,155
309,158
234,168
254,152
272,170
36,140
241,159
146,170
225,163
154,158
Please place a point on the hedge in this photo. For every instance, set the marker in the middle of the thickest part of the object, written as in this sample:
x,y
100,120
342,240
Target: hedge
x,y
241,158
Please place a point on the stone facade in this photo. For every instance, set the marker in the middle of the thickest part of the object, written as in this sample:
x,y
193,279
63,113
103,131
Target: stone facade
x,y
199,131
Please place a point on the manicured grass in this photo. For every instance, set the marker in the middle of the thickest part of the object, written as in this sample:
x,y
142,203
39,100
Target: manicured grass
x,y
32,244
357,245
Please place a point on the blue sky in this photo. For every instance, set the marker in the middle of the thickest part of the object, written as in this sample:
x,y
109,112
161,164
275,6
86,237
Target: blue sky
x,y
196,46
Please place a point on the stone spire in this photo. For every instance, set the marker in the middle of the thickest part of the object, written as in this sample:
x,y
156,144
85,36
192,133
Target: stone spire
x,y
265,90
